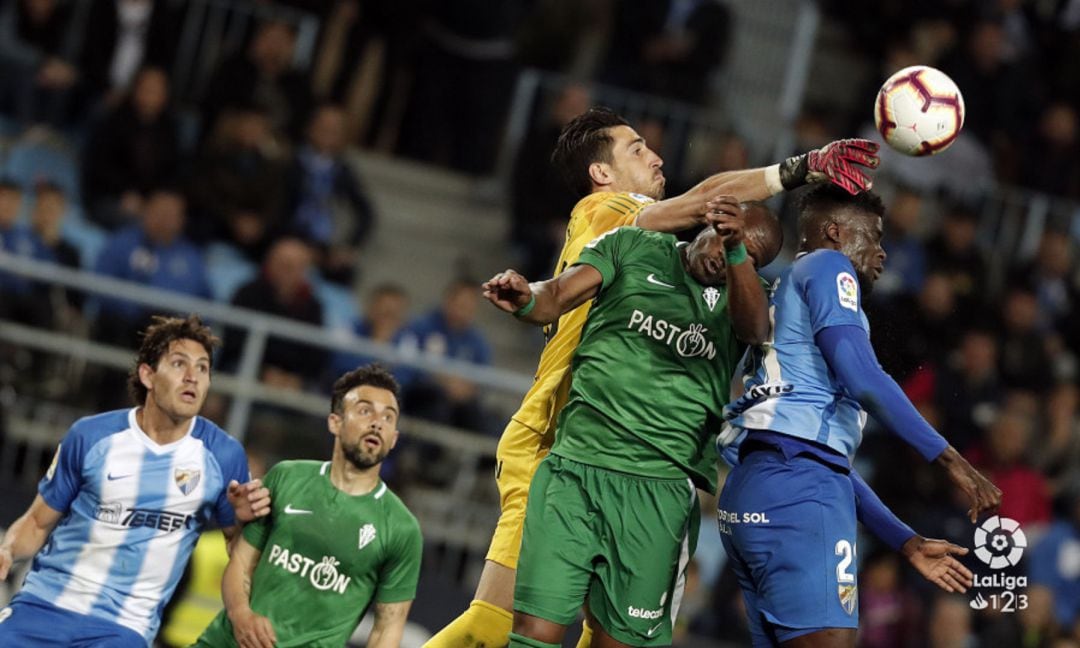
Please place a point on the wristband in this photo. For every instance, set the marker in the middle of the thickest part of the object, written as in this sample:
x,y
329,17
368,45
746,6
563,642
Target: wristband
x,y
527,308
736,255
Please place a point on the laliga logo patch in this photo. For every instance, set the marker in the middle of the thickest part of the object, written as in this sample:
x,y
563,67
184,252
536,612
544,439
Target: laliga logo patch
x,y
186,479
1000,542
847,289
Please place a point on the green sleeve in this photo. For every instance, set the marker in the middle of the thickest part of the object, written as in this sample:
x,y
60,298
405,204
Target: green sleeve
x,y
256,531
401,570
606,251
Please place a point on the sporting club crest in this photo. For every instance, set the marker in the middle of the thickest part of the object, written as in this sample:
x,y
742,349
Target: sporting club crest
x,y
367,534
849,597
187,479
711,296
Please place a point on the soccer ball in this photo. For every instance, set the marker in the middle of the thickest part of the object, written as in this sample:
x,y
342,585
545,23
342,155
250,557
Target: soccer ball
x,y
919,111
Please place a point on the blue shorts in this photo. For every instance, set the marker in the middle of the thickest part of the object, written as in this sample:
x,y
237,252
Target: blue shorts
x,y
788,527
30,621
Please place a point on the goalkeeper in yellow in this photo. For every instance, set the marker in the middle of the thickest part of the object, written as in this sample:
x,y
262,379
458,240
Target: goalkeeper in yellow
x,y
621,183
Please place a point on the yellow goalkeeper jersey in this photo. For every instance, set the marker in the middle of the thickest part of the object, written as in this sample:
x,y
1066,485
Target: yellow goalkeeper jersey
x,y
592,216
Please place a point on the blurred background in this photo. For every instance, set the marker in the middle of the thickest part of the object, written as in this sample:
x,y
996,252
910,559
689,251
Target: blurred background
x,y
328,181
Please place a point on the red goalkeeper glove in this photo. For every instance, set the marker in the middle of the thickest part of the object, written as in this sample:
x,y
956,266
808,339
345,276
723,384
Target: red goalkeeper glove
x,y
841,162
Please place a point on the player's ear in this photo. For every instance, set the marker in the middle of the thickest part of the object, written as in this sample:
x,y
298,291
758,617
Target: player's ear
x,y
146,374
832,232
333,423
600,174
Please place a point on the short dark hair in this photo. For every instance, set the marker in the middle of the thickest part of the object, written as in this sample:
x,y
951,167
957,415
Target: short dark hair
x,y
824,198
761,221
374,375
157,338
583,141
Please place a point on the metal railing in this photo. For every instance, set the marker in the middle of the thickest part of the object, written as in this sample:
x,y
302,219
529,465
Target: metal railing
x,y
258,327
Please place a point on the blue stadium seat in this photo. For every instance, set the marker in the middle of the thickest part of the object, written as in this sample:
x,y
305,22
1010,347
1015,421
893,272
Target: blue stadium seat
x,y
340,312
87,237
227,270
30,162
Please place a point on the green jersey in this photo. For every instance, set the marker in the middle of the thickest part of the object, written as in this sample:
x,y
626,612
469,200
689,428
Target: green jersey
x,y
652,372
326,556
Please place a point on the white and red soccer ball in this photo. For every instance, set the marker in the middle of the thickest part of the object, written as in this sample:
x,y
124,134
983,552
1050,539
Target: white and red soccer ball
x,y
919,111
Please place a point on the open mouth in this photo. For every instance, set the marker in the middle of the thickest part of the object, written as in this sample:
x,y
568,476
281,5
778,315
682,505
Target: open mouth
x,y
189,396
712,267
372,442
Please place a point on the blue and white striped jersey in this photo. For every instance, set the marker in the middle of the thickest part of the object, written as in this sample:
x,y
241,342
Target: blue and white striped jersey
x,y
787,385
133,511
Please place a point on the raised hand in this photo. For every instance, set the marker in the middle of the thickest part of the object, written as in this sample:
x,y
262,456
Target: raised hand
x,y
725,213
934,560
843,162
508,290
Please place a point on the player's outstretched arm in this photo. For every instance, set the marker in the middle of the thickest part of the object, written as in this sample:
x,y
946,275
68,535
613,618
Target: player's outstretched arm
x,y
843,162
389,624
931,558
848,353
27,535
251,630
542,302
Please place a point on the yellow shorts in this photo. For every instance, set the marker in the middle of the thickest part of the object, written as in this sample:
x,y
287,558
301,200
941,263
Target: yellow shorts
x,y
519,453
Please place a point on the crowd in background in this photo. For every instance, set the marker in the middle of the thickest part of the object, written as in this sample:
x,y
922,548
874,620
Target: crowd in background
x,y
256,166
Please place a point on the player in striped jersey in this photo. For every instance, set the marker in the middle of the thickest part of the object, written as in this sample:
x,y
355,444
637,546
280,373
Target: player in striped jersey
x,y
119,511
620,182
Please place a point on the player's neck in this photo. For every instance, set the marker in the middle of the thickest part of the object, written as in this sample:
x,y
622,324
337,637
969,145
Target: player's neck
x,y
161,428
351,480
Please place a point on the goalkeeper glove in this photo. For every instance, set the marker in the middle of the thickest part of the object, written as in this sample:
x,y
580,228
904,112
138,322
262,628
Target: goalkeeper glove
x,y
841,162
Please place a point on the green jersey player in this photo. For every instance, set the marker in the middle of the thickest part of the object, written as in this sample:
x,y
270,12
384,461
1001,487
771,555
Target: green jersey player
x,y
612,512
335,541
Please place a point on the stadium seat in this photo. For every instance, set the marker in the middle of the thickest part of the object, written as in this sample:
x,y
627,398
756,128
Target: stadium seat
x,y
29,162
228,270
87,237
340,312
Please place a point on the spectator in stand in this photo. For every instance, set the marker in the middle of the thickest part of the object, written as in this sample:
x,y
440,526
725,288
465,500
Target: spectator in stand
x,y
889,612
540,197
906,270
263,75
918,331
133,149
667,47
326,204
155,253
449,331
1060,453
1054,571
1051,276
968,390
954,251
1005,457
15,238
126,35
283,289
384,318
237,187
1025,361
1052,156
46,223
464,79
1003,91
36,72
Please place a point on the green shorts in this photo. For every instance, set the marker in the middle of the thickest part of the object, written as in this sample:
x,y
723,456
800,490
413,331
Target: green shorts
x,y
621,541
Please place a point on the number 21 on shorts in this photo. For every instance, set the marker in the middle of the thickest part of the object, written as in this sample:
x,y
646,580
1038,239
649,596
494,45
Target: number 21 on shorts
x,y
846,587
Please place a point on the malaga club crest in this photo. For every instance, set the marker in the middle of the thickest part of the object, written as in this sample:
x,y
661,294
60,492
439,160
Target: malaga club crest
x,y
187,479
849,597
